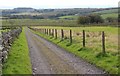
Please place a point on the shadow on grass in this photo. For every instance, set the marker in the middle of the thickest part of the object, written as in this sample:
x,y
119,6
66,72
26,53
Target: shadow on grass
x,y
99,55
51,37
69,44
83,49
59,41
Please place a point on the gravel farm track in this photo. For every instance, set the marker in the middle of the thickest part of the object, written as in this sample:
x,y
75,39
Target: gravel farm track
x,y
48,58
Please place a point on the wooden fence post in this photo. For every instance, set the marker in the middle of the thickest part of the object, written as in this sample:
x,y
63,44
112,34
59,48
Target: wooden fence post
x,y
49,32
40,30
103,42
83,38
45,31
55,33
70,36
62,34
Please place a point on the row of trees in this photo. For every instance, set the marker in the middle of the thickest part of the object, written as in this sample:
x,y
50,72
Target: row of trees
x,y
119,18
111,19
24,17
90,19
34,16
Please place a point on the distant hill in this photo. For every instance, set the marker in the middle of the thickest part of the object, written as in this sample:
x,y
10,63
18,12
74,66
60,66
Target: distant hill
x,y
108,11
70,11
16,10
23,9
53,13
113,12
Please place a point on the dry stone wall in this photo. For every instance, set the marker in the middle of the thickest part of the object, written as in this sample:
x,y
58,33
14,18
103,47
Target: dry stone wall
x,y
6,40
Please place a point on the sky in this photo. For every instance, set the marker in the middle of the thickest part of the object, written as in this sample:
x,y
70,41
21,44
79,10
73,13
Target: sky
x,y
40,4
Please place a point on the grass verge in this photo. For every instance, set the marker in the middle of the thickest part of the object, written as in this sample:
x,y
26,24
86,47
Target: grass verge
x,y
18,60
108,62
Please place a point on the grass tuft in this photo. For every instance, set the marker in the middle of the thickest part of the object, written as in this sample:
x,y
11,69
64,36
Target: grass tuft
x,y
18,60
101,55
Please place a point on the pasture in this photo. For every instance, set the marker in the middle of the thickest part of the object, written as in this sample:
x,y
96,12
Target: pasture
x,y
37,22
53,41
69,17
113,15
48,22
93,48
107,11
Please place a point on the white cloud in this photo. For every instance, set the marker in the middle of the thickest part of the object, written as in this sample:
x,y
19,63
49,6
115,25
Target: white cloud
x,y
57,3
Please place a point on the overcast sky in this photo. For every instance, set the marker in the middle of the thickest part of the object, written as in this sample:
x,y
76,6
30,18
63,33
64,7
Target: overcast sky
x,y
58,3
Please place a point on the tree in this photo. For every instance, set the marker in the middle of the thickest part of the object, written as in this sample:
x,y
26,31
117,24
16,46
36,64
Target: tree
x,y
118,17
90,19
110,19
83,20
96,18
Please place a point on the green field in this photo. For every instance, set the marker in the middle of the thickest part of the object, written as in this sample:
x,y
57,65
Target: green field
x,y
18,60
92,51
113,15
107,11
38,22
48,22
69,17
112,30
104,16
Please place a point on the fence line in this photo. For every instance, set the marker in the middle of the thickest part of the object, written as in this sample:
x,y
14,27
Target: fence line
x,y
54,33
